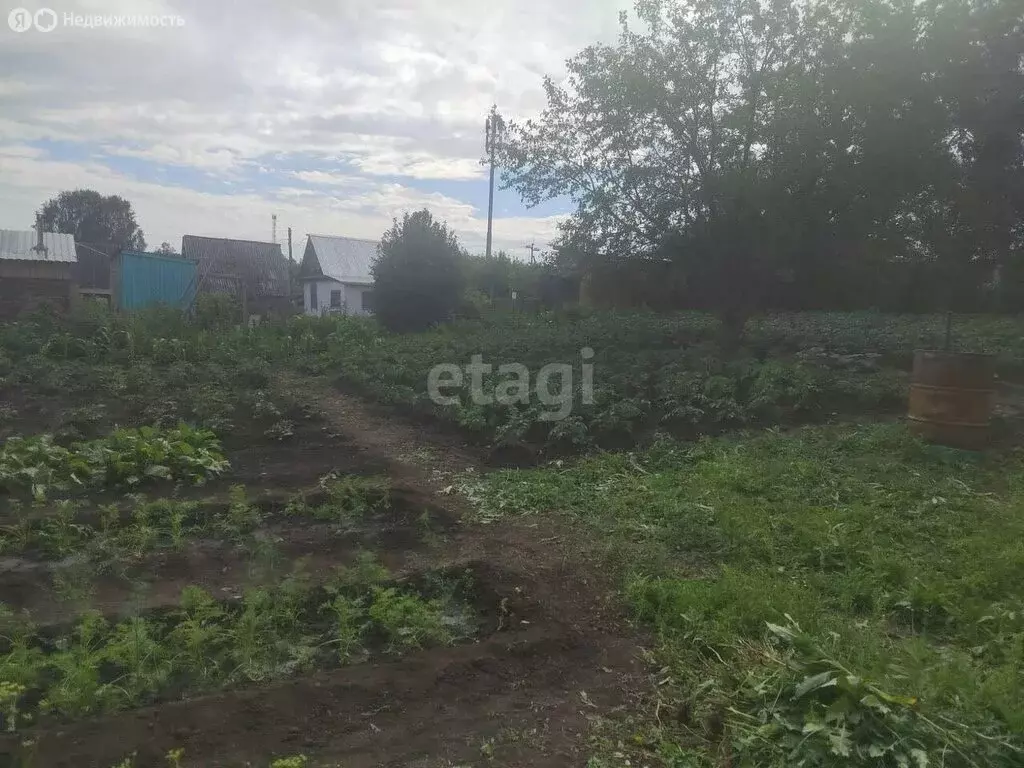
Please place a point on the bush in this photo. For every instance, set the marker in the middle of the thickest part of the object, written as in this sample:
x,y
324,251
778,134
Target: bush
x,y
418,278
215,311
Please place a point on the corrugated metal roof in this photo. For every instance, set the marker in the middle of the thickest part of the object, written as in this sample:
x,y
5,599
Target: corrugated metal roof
x,y
346,259
261,266
19,244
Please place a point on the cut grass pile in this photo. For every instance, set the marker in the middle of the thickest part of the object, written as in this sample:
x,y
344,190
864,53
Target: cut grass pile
x,y
828,596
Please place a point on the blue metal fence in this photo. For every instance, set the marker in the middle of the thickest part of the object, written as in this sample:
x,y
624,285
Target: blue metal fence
x,y
147,279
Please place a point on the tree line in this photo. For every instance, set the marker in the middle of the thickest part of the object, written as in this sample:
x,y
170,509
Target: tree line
x,y
743,154
95,219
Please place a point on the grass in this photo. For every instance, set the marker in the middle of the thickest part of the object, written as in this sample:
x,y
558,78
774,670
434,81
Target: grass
x,y
888,573
827,596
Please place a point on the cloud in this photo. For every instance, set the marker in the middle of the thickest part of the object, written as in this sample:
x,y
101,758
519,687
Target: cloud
x,y
166,212
334,109
325,178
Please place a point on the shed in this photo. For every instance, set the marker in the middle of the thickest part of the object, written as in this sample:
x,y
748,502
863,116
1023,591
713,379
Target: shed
x,y
94,272
149,279
35,269
256,272
337,275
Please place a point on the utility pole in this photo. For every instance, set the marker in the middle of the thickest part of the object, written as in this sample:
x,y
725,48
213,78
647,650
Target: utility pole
x,y
532,247
291,263
494,132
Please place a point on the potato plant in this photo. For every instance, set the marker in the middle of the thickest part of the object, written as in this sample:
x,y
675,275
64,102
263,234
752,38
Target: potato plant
x,y
126,458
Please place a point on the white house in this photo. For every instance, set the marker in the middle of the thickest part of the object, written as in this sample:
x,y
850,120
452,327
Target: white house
x,y
336,275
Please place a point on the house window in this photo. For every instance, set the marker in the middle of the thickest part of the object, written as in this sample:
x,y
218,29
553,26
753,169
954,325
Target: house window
x,y
335,299
367,301
313,296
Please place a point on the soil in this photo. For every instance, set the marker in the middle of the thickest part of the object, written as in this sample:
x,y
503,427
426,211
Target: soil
x,y
561,656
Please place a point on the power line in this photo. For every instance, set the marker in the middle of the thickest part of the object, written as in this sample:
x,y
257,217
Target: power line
x,y
532,247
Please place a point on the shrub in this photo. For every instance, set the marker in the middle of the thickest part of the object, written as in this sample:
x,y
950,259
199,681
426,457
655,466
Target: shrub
x,y
217,311
418,278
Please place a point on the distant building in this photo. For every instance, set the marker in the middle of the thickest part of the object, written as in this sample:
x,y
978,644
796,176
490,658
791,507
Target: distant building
x,y
151,279
255,272
336,275
95,271
35,269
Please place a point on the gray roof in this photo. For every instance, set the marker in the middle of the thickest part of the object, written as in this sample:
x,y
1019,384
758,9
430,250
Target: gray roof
x,y
221,261
346,259
19,244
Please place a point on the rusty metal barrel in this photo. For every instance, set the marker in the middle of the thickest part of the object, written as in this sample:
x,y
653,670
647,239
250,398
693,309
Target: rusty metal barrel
x,y
951,396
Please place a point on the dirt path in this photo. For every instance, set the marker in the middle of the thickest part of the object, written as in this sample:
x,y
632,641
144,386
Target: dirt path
x,y
556,657
590,666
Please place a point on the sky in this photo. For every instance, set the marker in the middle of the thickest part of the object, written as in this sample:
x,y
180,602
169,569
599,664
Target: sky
x,y
336,116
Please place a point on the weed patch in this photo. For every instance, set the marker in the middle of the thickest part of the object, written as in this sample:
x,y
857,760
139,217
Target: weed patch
x,y
831,596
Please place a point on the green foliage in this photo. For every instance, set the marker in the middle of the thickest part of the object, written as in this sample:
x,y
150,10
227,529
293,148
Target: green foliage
x,y
296,761
10,693
350,625
349,498
241,516
833,596
200,635
418,277
352,497
93,218
407,620
651,372
36,464
109,537
742,141
808,708
273,632
490,283
182,453
125,458
217,311
159,366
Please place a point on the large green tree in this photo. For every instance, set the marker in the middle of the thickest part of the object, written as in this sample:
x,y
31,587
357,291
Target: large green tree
x,y
785,150
418,276
93,218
